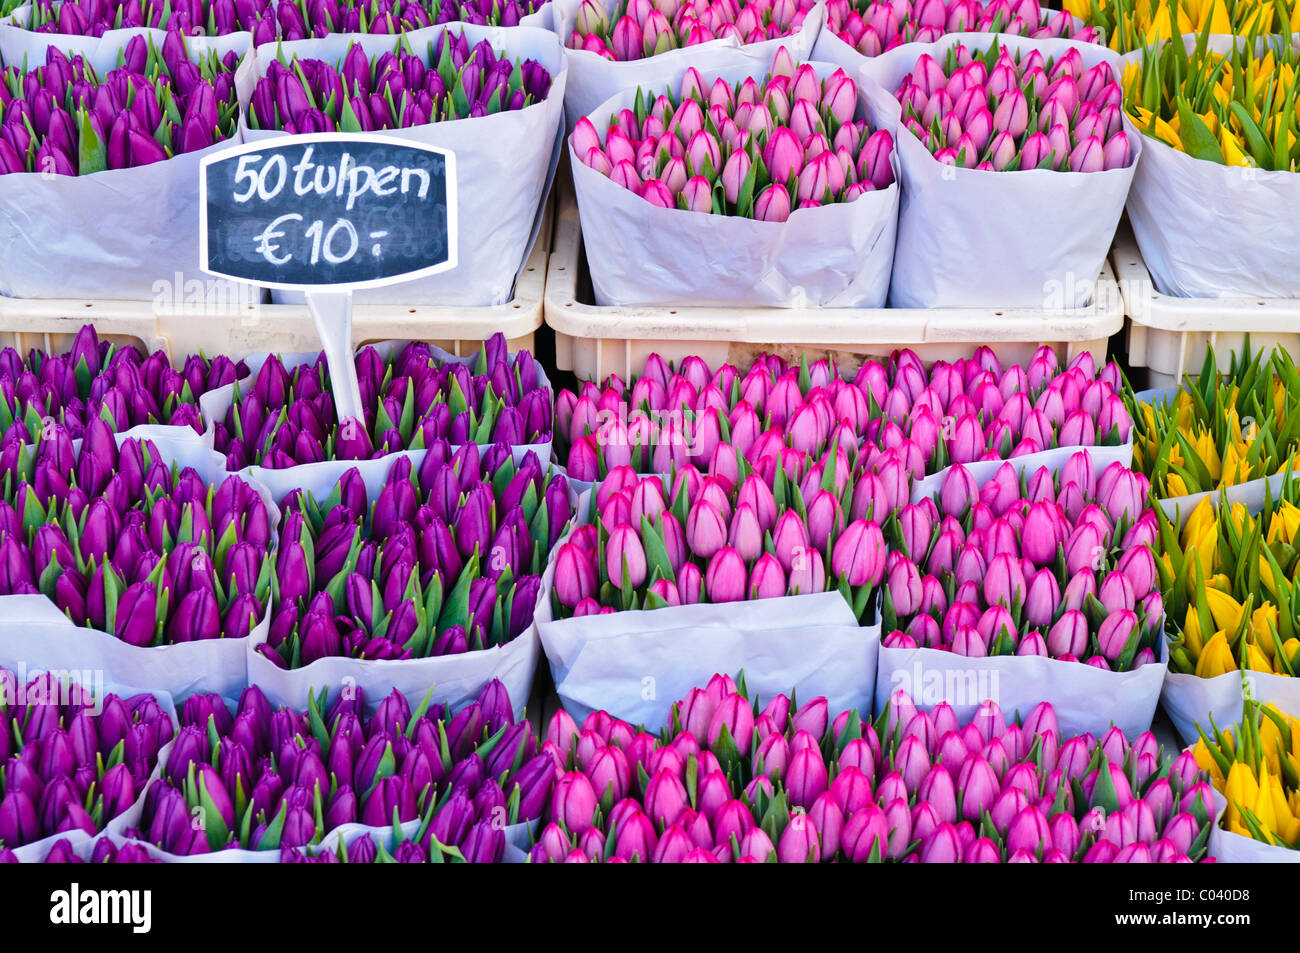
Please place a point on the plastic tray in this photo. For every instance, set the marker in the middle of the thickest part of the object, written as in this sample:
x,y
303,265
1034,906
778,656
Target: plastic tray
x,y
50,323
1169,336
593,341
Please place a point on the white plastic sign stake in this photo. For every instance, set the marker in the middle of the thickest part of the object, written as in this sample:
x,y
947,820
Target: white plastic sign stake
x,y
326,214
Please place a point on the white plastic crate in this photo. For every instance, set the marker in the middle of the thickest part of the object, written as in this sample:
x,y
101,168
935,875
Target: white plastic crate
x,y
593,341
49,324
1169,336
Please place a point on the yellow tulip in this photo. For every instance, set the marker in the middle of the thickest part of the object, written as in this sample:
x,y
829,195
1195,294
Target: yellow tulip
x,y
1216,658
1225,609
1207,764
1266,577
1192,636
1284,526
1263,806
1263,623
1241,790
1256,660
1202,521
1235,469
1174,486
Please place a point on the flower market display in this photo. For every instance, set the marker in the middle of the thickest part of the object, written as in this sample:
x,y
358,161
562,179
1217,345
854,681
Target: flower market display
x,y
874,26
63,118
754,150
981,487
981,105
447,560
413,399
452,80
730,782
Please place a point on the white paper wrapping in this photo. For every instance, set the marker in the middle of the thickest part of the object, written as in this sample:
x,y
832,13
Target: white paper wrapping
x,y
1035,238
457,679
504,164
636,664
518,838
1208,230
1190,701
594,79
1085,698
1229,848
984,470
35,851
118,234
836,256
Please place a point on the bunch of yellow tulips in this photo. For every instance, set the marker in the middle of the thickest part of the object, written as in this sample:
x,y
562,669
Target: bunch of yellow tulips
x,y
1217,434
1132,24
1237,109
1228,580
1257,770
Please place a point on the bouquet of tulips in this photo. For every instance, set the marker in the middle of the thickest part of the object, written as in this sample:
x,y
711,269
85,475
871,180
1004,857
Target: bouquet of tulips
x,y
104,851
123,544
1056,566
752,155
266,779
316,18
63,118
189,17
871,27
974,110
1016,105
1219,114
636,29
1134,24
1255,766
98,379
1235,108
397,90
757,150
448,560
494,99
656,543
72,761
1230,590
1219,433
413,398
728,782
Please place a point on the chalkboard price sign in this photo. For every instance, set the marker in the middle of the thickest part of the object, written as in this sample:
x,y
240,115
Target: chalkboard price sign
x,y
330,211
